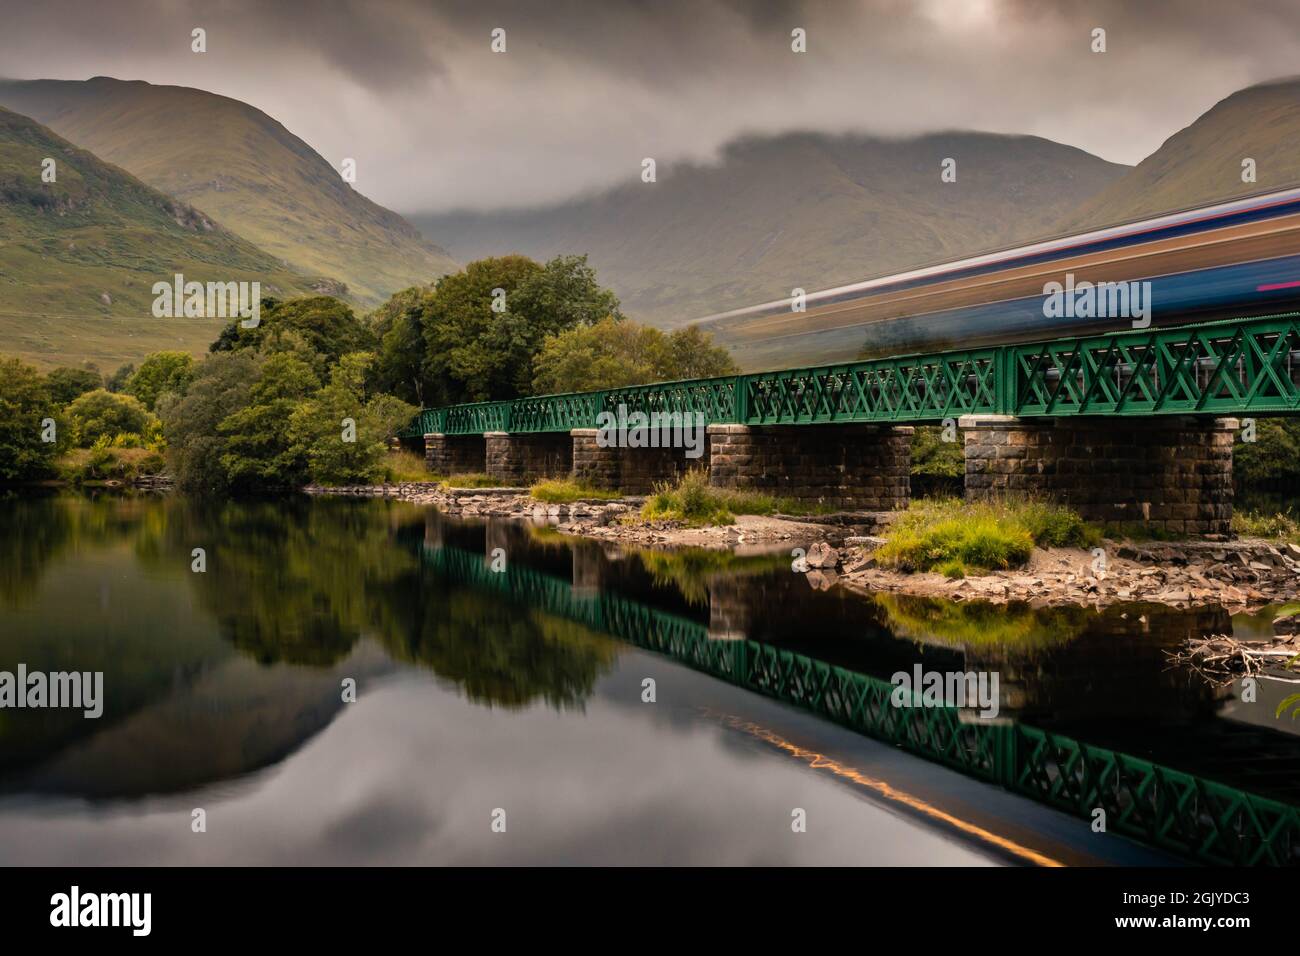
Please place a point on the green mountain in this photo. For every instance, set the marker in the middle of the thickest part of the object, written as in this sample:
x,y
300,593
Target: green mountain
x,y
1203,162
79,256
243,168
799,210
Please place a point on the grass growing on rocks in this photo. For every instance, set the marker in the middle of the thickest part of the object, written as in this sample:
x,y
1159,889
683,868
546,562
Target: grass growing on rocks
x,y
471,481
560,491
954,537
693,501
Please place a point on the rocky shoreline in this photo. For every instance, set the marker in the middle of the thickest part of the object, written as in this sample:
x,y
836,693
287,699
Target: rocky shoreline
x,y
1240,575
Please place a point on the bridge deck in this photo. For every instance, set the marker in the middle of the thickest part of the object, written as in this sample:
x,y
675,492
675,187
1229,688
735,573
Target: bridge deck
x,y
1231,367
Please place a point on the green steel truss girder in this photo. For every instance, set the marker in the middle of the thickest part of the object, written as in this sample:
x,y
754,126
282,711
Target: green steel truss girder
x,y
1162,807
1237,366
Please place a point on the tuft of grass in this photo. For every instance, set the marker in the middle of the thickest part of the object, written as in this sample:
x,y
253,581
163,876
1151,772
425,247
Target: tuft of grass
x,y
471,481
558,491
403,465
692,500
1055,526
1256,524
952,536
952,569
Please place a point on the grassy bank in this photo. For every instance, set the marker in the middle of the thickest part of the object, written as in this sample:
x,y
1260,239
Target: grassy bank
x,y
953,537
108,463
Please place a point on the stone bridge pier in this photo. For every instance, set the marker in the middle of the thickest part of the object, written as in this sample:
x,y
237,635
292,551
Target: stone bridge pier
x,y
635,470
853,467
455,454
1171,474
521,459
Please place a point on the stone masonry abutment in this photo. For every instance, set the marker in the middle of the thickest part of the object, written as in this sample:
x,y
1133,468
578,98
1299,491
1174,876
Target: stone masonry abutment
x,y
1170,474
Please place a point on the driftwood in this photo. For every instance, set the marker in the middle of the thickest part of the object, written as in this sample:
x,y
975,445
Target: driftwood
x,y
1221,659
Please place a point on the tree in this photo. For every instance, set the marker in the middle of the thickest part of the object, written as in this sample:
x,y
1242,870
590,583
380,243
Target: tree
x,y
25,404
117,381
67,383
399,330
194,447
104,413
158,373
1273,459
611,354
327,325
471,350
259,445
321,431
475,351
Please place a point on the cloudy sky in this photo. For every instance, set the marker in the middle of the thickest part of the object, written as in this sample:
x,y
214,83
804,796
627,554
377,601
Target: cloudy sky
x,y
412,90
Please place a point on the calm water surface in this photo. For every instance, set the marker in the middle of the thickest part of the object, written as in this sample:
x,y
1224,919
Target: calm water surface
x,y
480,692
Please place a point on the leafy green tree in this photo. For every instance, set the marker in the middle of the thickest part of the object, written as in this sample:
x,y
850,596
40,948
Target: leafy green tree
x,y
931,455
399,329
25,403
692,354
610,354
190,421
104,413
475,351
259,445
161,372
318,425
327,325
1273,458
67,383
117,381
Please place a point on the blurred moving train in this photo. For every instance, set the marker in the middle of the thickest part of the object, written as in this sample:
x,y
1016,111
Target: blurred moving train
x,y
1235,258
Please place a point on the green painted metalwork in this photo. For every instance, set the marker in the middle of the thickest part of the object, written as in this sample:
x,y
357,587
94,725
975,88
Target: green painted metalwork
x,y
1157,805
1237,366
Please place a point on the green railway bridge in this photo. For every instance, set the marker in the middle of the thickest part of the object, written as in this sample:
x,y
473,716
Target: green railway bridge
x,y
1127,427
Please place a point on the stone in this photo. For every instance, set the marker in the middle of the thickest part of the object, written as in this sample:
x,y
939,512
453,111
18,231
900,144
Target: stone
x,y
822,555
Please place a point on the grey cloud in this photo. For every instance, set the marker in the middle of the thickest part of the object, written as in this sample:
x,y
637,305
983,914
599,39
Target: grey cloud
x,y
587,89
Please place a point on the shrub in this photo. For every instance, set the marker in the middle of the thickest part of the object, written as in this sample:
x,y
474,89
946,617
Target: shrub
x,y
101,412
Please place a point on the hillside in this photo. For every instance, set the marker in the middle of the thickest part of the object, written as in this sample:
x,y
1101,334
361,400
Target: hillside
x,y
801,210
1202,163
243,168
79,257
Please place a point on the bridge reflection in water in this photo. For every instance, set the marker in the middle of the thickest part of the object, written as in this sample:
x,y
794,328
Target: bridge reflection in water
x,y
1173,809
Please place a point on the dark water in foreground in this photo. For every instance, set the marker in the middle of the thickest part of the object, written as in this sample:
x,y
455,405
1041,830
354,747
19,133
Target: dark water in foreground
x,y
223,693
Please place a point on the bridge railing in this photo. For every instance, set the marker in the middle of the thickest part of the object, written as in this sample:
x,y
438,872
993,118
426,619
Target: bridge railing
x,y
1235,366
